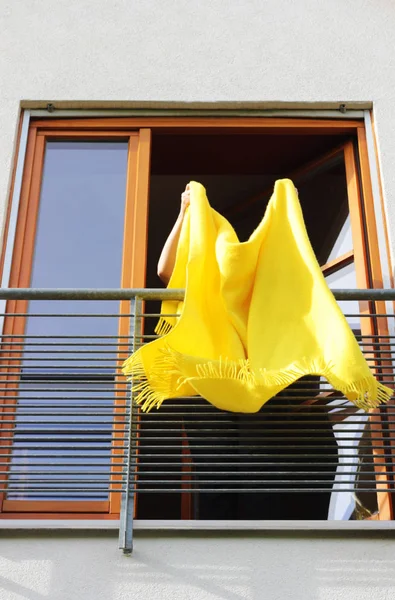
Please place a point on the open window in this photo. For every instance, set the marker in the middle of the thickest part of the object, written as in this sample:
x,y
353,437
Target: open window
x,y
99,197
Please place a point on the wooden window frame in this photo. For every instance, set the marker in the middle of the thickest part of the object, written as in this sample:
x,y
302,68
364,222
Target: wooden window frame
x,y
133,275
138,131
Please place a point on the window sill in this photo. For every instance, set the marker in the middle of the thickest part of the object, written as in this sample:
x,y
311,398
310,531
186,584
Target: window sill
x,y
182,526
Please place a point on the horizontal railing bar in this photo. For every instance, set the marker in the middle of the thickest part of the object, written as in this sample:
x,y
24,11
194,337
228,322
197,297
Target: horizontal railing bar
x,y
166,411
82,344
271,433
15,489
109,467
381,347
61,492
13,470
23,359
180,407
75,443
87,404
67,315
158,294
291,393
375,419
81,378
377,355
108,420
107,483
288,490
55,413
77,358
164,418
369,336
144,469
369,315
23,426
22,412
109,368
177,435
103,478
115,337
83,351
170,402
115,454
91,294
128,315
120,477
5,336
72,445
159,314
109,454
82,401
46,399
24,483
94,486
198,469
64,374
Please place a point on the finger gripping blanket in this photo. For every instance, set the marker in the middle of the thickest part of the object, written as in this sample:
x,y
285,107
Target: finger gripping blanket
x,y
256,317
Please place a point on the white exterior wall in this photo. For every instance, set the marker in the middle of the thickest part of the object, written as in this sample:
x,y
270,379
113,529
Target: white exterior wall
x,y
211,50
197,567
206,51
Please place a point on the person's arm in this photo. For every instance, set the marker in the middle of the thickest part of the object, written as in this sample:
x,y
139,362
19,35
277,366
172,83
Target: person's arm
x,y
168,255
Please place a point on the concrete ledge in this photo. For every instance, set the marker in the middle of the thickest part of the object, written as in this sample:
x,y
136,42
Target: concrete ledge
x,y
196,105
197,526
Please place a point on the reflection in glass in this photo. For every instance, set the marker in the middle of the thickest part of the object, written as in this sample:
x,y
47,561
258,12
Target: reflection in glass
x,y
69,449
80,231
345,278
343,243
64,416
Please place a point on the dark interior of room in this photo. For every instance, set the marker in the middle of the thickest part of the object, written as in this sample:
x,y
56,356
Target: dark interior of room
x,y
236,168
238,171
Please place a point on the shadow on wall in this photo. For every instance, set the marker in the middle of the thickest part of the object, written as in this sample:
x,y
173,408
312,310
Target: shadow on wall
x,y
209,566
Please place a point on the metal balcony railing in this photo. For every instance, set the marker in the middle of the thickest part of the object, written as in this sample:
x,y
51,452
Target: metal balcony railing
x,y
70,437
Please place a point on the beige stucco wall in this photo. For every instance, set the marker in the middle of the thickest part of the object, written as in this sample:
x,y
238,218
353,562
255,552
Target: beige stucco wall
x,y
197,567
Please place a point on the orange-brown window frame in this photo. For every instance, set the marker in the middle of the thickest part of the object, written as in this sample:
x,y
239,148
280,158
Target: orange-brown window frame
x,y
138,131
132,275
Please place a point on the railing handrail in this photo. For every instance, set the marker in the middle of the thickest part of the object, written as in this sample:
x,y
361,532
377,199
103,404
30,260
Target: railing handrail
x,y
156,294
90,294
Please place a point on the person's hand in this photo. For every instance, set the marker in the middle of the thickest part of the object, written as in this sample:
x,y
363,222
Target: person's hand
x,y
185,200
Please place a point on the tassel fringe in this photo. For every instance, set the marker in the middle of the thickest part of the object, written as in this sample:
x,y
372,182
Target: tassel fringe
x,y
163,327
160,384
166,377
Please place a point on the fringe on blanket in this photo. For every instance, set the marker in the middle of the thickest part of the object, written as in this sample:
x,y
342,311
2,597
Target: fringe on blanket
x,y
165,378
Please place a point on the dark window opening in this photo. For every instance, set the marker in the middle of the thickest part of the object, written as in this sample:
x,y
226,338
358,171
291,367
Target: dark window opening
x,y
238,171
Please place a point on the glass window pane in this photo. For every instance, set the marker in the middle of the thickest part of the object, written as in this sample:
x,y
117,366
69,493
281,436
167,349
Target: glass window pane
x,y
343,243
80,223
345,278
63,426
62,441
80,231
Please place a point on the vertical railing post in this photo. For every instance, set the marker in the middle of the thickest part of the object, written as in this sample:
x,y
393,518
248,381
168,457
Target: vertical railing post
x,y
129,489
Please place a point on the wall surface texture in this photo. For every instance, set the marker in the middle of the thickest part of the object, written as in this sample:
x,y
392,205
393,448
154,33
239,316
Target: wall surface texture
x,y
194,567
212,50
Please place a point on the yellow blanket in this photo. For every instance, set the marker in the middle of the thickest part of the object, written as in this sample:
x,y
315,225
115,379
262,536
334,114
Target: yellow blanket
x,y
257,316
